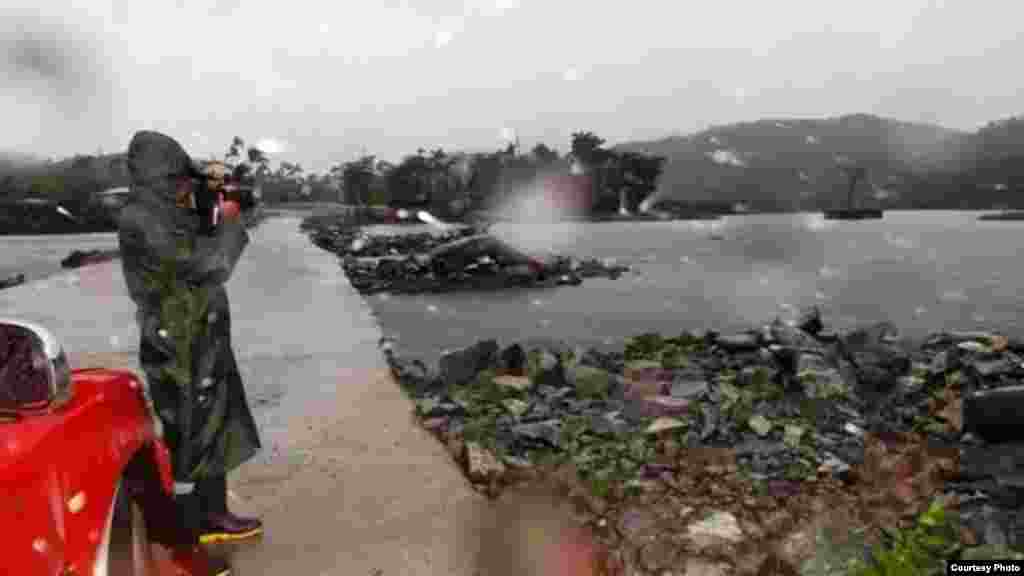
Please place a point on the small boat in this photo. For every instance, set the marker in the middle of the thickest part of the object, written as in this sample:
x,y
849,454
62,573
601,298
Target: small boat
x,y
854,214
1009,215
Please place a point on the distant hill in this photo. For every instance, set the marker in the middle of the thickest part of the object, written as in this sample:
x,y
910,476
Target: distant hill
x,y
1001,139
791,163
14,161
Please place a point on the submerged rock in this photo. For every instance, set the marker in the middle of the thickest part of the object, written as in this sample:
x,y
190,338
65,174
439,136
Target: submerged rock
x,y
12,281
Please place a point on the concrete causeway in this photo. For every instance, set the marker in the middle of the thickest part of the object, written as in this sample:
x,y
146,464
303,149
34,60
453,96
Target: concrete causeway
x,y
347,483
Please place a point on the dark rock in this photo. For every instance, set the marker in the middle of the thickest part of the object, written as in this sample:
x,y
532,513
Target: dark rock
x,y
513,360
647,371
391,269
791,336
461,366
688,388
541,411
748,358
547,432
836,467
943,362
609,424
752,445
664,406
738,342
756,376
992,526
995,415
634,412
12,281
814,362
786,359
710,420
877,361
991,368
545,369
713,364
414,375
851,453
810,321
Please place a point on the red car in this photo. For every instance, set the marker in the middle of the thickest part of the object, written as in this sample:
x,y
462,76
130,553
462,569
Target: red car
x,y
83,471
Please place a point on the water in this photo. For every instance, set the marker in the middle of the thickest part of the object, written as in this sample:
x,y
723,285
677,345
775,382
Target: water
x,y
924,271
39,256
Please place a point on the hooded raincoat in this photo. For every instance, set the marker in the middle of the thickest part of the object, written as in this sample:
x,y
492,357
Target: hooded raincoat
x,y
176,277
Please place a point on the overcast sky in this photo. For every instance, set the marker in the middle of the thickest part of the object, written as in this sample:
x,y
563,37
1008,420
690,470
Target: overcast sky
x,y
316,82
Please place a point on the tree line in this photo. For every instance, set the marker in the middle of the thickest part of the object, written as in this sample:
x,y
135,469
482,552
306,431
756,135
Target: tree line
x,y
451,183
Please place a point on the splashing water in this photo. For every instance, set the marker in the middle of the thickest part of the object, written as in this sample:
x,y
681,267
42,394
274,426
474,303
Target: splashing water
x,y
428,218
541,217
65,212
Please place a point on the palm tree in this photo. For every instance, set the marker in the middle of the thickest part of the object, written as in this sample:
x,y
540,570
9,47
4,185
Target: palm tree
x,y
543,154
586,147
357,176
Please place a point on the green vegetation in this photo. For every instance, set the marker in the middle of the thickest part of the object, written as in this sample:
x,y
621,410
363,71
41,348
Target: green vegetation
x,y
670,352
602,462
920,550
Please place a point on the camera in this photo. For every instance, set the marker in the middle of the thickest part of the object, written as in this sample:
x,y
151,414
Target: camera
x,y
214,186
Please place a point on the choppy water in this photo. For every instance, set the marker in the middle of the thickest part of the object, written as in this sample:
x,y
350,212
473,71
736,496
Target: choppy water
x,y
924,271
39,256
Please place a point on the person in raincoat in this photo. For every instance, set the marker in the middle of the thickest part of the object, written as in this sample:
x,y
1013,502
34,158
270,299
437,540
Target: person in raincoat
x,y
176,259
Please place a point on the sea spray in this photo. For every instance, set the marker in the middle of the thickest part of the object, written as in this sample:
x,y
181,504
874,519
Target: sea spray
x,y
544,218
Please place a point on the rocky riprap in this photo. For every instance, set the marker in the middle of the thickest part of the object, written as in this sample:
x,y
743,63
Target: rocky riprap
x,y
460,259
781,450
